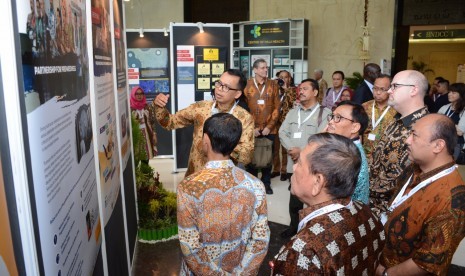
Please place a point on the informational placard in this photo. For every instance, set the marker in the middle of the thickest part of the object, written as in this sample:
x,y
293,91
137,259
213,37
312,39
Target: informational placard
x,y
108,160
266,34
59,126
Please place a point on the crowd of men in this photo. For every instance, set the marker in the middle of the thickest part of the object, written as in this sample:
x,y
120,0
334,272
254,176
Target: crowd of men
x,y
374,186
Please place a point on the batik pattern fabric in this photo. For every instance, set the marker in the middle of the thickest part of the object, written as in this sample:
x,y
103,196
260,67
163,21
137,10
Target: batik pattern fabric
x,y
369,145
389,159
429,225
287,103
196,114
362,189
222,218
265,115
347,241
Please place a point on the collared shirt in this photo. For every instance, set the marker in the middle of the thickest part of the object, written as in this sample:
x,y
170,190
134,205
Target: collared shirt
x,y
369,145
196,114
389,159
370,85
346,241
332,97
290,127
266,114
222,218
429,225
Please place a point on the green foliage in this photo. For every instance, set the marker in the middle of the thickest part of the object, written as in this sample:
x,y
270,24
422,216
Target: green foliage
x,y
156,206
421,67
354,81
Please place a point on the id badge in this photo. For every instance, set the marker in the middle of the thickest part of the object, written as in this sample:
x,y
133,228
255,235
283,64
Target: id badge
x,y
260,101
383,218
371,137
297,135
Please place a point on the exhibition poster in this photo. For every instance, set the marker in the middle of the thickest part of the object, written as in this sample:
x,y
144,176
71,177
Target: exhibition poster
x,y
56,80
104,99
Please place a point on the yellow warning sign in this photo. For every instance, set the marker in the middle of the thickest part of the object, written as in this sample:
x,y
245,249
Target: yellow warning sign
x,y
210,54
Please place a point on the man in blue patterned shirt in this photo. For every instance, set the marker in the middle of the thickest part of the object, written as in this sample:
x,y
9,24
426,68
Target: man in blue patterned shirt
x,y
350,120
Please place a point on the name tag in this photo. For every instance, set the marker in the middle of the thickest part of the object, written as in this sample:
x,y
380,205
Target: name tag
x,y
383,218
371,137
261,102
297,135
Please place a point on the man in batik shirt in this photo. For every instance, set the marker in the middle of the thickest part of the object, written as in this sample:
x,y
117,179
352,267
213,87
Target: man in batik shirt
x,y
425,220
336,236
227,90
380,114
287,97
222,214
263,102
389,158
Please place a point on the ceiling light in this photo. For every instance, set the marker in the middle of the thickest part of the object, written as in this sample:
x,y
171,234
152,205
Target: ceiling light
x,y
200,26
165,32
141,32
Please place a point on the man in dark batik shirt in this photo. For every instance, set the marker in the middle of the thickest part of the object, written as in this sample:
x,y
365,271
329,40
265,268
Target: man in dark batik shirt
x,y
425,220
336,236
389,157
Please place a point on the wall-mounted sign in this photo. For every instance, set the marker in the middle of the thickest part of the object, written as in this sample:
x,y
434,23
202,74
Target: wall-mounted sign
x,y
211,54
433,12
266,34
439,34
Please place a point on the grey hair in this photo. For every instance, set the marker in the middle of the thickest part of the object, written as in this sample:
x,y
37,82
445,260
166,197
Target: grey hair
x,y
338,160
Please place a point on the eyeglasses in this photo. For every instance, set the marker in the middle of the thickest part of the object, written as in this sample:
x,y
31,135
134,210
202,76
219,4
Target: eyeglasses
x,y
394,86
381,89
224,87
337,118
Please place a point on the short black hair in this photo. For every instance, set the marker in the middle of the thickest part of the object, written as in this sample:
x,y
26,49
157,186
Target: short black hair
x,y
340,73
341,153
224,131
444,128
359,115
384,76
257,62
444,82
242,78
313,83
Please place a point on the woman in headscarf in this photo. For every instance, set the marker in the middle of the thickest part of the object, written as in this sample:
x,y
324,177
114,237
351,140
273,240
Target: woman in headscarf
x,y
145,115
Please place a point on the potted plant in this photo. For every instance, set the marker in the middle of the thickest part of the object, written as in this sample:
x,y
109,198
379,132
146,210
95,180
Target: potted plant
x,y
156,206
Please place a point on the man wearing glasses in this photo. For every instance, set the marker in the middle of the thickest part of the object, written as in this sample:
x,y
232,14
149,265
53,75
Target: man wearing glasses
x,y
228,89
301,123
263,100
380,114
390,156
350,120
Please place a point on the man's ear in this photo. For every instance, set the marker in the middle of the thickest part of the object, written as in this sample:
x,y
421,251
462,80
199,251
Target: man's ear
x,y
355,127
319,183
439,145
238,94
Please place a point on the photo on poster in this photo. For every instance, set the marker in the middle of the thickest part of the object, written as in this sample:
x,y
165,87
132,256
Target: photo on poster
x,y
162,86
55,64
277,61
185,75
149,59
245,64
83,123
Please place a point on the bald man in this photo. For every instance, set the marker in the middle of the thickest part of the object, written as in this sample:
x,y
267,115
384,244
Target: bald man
x,y
424,223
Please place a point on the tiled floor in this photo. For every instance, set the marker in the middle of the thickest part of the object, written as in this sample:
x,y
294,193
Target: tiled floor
x,y
165,258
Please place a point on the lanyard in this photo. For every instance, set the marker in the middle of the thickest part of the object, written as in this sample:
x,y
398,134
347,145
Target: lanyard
x,y
449,112
376,123
338,95
322,211
308,117
215,110
263,88
400,198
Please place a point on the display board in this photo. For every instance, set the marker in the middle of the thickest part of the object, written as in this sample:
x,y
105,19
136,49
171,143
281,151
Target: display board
x,y
197,60
282,43
149,67
59,127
